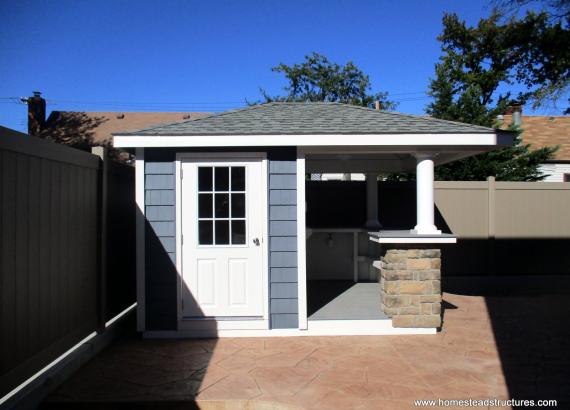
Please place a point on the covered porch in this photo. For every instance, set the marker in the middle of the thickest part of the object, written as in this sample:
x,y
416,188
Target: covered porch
x,y
347,233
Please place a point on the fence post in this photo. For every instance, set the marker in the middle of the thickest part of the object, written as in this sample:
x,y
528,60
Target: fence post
x,y
102,237
491,193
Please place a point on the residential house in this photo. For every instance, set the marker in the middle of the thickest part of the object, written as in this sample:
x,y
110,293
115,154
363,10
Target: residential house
x,y
545,131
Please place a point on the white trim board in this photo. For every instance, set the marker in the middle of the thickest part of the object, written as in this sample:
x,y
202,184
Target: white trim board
x,y
301,242
315,328
414,240
315,140
140,238
184,323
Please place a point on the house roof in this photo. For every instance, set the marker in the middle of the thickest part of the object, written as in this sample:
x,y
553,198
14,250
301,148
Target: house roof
x,y
301,118
543,130
99,126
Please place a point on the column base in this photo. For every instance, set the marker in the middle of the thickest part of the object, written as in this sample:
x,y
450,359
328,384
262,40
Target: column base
x,y
425,230
410,286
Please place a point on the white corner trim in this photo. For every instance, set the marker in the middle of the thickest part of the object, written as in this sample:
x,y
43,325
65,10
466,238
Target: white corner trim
x,y
301,242
134,141
140,238
178,233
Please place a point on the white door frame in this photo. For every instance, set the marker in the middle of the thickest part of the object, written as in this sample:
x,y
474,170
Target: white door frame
x,y
232,324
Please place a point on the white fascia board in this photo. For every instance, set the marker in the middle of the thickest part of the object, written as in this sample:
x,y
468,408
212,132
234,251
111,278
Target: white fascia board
x,y
314,140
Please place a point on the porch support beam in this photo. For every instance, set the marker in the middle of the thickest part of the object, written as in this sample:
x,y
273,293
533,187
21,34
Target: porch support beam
x,y
424,195
372,222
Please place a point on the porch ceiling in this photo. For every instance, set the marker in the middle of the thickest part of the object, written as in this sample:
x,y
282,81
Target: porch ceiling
x,y
363,162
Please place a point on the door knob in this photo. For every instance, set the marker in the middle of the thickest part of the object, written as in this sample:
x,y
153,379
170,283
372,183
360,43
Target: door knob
x,y
256,241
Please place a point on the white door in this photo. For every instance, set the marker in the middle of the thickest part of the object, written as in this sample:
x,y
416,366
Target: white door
x,y
222,256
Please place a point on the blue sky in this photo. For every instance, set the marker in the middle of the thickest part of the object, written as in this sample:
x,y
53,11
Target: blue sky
x,y
208,55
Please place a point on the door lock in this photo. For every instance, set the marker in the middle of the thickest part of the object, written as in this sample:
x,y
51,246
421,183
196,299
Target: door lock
x,y
256,241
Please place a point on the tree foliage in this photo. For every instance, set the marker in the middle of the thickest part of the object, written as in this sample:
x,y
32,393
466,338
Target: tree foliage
x,y
541,44
476,63
318,79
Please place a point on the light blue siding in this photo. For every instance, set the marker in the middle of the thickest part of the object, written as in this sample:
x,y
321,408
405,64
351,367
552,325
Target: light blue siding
x,y
163,228
283,181
159,181
160,213
284,320
283,212
283,228
168,243
284,306
283,290
283,259
283,276
160,168
283,167
161,243
283,243
282,197
159,197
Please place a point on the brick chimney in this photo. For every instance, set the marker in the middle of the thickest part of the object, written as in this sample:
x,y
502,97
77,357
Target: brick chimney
x,y
36,113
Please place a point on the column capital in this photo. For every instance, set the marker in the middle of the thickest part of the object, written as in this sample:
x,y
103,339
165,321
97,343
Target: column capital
x,y
425,155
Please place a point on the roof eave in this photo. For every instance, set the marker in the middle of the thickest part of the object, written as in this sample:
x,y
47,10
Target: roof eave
x,y
496,138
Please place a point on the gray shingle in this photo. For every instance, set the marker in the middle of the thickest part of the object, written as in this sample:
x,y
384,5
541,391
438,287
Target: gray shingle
x,y
310,118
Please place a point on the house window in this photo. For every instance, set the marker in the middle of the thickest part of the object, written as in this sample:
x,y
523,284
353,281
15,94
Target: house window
x,y
221,206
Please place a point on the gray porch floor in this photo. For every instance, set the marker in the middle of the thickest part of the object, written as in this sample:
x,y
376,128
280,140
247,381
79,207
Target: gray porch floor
x,y
344,300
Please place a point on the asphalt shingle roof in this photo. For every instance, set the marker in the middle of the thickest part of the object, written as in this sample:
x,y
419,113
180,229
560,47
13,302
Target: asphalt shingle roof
x,y
309,118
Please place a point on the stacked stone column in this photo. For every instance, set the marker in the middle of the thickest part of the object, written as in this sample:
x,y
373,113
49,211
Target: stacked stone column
x,y
410,286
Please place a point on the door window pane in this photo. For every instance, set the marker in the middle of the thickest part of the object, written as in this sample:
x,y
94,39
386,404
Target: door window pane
x,y
238,178
222,232
222,178
205,233
222,205
204,205
204,178
238,205
238,232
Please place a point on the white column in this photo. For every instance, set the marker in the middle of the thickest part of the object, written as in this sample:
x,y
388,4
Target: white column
x,y
372,221
424,195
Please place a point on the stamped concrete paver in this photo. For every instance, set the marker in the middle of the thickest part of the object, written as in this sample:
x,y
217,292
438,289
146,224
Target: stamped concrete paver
x,y
494,348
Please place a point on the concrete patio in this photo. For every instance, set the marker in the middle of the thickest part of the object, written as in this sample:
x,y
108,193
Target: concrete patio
x,y
494,347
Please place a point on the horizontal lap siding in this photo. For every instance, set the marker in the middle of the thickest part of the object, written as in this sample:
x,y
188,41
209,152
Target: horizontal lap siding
x,y
283,294
160,212
160,243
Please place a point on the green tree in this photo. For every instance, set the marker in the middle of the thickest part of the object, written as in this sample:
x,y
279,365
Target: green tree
x,y
318,79
541,42
476,63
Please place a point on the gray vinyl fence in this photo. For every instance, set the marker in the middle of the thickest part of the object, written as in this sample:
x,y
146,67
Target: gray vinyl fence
x,y
56,287
504,228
